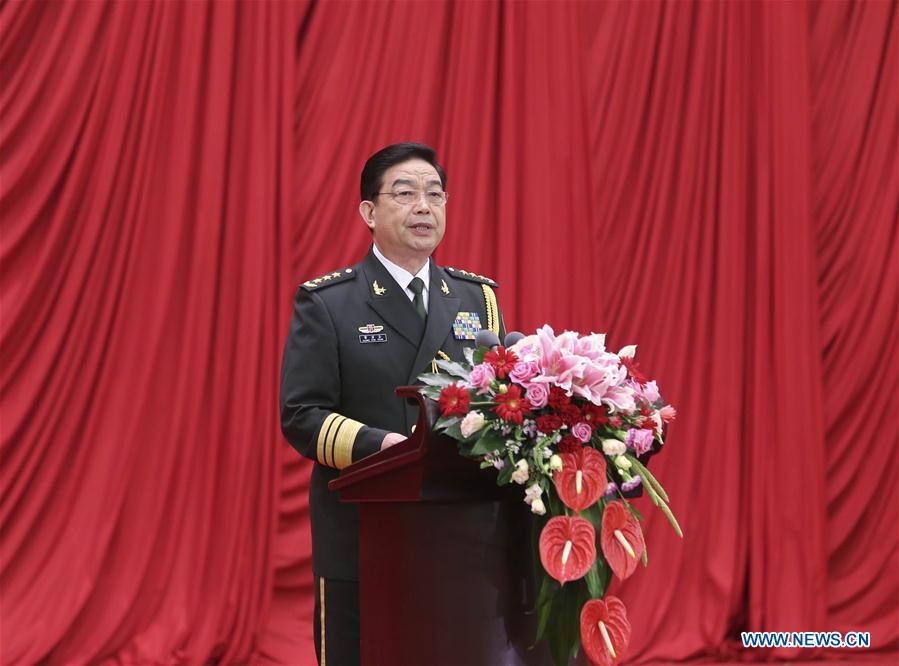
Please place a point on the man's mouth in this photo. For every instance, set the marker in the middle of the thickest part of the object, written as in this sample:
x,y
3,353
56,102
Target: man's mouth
x,y
421,227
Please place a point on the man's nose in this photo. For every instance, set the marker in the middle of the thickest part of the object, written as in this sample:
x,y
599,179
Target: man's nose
x,y
421,203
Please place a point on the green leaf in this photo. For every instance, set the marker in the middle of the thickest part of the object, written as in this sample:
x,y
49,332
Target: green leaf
x,y
505,474
488,442
455,430
454,368
468,354
593,513
593,582
438,380
563,635
645,556
477,356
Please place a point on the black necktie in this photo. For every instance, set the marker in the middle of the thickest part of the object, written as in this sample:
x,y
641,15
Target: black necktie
x,y
417,287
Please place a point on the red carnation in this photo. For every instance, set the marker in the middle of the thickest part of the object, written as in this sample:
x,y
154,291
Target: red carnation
x,y
558,398
549,423
569,444
454,400
503,361
570,415
511,405
595,415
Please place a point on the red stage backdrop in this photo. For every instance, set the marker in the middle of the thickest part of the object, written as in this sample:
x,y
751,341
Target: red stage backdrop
x,y
717,182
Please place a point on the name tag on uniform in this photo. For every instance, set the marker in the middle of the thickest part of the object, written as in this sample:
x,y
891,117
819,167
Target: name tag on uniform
x,y
466,326
367,338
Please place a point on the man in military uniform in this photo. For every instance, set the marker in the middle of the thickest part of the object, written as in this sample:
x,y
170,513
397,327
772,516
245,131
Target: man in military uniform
x,y
357,333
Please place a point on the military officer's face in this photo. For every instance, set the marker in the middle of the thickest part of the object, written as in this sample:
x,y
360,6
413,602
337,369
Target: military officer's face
x,y
407,232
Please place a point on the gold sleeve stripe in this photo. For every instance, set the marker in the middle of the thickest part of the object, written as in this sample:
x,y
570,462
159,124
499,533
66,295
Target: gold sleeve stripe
x,y
342,446
492,309
324,434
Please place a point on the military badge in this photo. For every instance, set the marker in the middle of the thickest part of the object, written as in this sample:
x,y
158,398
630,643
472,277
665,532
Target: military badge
x,y
371,328
466,325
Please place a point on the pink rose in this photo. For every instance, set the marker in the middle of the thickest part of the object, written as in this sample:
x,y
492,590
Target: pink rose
x,y
640,440
524,371
582,431
538,395
481,376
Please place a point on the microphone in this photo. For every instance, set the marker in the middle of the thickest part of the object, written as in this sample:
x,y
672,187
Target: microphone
x,y
487,338
512,337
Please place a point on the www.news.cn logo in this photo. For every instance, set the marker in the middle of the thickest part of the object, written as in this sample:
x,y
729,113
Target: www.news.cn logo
x,y
805,639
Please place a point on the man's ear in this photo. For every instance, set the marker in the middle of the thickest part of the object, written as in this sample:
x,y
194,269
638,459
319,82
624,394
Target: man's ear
x,y
367,211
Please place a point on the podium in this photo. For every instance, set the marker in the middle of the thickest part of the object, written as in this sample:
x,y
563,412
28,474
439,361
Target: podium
x,y
445,556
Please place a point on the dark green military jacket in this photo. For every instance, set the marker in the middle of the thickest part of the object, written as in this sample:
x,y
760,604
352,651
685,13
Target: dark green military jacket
x,y
355,337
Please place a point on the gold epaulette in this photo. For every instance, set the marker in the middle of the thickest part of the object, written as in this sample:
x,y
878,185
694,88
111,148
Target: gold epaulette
x,y
329,278
474,277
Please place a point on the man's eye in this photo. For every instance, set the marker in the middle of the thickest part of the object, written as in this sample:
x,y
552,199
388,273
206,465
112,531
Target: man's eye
x,y
405,194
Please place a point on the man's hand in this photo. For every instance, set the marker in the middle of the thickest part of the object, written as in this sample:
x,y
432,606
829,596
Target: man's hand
x,y
392,438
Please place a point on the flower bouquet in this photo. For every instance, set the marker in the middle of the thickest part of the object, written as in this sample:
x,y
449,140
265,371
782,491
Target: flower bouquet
x,y
573,424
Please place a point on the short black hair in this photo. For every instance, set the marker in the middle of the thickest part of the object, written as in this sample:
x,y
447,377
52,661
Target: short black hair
x,y
377,164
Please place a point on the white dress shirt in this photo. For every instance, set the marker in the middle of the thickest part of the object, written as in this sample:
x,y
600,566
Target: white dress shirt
x,y
404,277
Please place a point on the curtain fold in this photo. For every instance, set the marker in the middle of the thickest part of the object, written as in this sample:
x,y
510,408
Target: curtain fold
x,y
716,182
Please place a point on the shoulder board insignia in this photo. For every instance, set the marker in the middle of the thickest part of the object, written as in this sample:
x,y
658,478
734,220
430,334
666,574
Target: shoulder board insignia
x,y
329,279
474,277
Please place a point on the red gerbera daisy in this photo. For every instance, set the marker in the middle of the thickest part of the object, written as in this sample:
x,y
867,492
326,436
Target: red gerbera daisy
x,y
633,370
595,415
511,405
454,400
503,361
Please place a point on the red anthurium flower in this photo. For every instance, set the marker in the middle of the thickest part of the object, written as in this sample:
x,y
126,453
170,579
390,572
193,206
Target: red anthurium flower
x,y
621,539
567,548
605,630
454,400
511,405
503,361
582,478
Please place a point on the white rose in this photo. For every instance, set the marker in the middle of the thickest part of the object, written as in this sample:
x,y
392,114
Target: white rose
x,y
538,507
472,422
520,475
611,447
555,462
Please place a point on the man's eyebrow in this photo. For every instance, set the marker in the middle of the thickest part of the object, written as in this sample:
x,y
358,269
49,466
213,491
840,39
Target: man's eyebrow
x,y
402,181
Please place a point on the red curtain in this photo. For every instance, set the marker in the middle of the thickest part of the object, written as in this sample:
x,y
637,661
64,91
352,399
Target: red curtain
x,y
716,182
